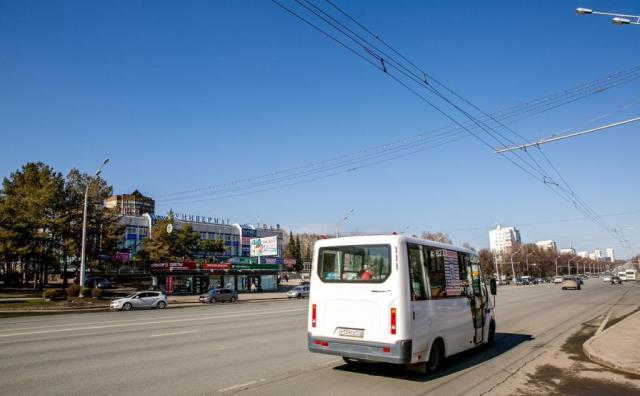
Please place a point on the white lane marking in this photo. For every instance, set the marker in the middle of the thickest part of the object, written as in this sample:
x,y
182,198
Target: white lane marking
x,y
150,322
174,333
230,388
111,321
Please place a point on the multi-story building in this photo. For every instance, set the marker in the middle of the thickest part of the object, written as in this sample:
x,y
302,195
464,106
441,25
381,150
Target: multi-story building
x,y
233,268
583,253
547,245
504,239
597,253
134,204
611,255
569,250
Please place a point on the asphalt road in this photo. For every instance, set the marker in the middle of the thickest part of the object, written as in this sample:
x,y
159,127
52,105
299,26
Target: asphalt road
x,y
260,348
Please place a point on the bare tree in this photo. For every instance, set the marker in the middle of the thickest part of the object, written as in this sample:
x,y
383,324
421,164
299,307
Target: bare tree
x,y
442,237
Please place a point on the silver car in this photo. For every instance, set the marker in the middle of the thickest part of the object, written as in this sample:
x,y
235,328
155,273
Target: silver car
x,y
140,300
301,291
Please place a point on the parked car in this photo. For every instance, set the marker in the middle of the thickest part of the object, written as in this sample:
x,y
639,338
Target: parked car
x,y
557,280
570,282
98,281
606,278
215,295
299,292
140,300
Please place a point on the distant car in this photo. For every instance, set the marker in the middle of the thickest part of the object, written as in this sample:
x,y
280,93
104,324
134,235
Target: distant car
x,y
606,278
557,280
299,292
215,295
98,281
140,300
570,282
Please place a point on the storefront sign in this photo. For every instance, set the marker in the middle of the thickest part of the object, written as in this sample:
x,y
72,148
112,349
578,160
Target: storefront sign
x,y
215,266
187,265
169,284
267,246
189,218
256,266
122,256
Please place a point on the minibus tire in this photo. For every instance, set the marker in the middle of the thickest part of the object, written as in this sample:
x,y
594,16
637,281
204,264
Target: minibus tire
x,y
436,357
492,334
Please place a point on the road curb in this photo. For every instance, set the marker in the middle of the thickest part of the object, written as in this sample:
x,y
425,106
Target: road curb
x,y
611,363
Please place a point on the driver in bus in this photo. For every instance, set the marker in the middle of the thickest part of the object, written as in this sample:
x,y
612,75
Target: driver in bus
x,y
366,273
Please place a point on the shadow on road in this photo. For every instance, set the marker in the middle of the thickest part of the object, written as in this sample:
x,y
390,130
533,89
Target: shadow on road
x,y
461,361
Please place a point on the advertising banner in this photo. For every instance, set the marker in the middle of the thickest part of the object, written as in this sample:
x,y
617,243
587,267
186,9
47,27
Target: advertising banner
x,y
122,256
451,273
266,246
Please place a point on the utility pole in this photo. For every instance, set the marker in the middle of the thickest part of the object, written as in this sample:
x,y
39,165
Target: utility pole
x,y
513,270
557,257
527,259
569,265
84,224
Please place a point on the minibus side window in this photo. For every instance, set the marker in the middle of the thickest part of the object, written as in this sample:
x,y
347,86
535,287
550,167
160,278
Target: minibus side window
x,y
416,277
435,267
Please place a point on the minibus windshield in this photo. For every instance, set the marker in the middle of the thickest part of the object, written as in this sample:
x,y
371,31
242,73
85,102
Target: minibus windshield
x,y
358,263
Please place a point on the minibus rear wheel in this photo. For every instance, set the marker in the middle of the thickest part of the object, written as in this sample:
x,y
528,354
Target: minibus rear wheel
x,y
436,356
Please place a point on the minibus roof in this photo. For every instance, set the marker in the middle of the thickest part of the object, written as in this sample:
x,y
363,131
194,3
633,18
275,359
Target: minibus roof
x,y
380,239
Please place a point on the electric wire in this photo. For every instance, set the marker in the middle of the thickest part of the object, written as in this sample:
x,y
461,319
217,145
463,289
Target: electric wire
x,y
487,129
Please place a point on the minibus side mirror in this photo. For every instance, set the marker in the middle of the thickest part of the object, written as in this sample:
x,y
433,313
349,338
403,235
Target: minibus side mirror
x,y
493,286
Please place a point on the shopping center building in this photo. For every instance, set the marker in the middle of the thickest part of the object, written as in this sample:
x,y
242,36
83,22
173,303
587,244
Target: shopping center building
x,y
234,269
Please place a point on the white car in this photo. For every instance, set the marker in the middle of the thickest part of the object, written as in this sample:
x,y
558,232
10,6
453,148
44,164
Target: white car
x,y
606,278
301,291
557,280
140,300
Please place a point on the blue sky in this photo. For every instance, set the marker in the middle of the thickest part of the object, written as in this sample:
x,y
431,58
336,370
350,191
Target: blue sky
x,y
183,95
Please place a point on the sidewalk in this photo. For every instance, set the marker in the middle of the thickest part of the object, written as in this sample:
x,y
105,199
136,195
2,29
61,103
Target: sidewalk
x,y
618,347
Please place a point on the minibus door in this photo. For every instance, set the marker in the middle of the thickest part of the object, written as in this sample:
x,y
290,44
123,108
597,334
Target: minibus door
x,y
419,303
478,303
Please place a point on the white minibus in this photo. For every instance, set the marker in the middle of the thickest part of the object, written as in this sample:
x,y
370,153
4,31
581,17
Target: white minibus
x,y
630,275
397,299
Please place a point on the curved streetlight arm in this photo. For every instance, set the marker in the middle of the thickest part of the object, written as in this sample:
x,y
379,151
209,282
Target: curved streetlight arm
x,y
619,19
346,216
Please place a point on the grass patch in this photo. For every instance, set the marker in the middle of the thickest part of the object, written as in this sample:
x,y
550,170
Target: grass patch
x,y
27,304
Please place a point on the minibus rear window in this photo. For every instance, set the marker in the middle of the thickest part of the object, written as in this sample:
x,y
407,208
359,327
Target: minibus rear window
x,y
358,263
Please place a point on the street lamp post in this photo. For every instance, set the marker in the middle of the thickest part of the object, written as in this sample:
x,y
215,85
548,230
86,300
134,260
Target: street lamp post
x,y
618,19
341,221
569,265
84,224
527,259
513,270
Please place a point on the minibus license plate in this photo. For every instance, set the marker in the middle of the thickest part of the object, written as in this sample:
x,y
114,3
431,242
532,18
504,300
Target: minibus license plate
x,y
359,333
